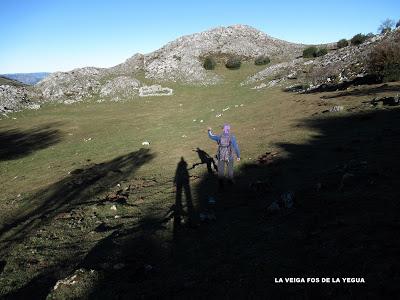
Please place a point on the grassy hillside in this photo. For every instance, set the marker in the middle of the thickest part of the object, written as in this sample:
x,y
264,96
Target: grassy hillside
x,y
64,167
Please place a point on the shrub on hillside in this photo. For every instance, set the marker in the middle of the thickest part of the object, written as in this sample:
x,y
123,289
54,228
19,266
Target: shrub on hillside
x,y
370,35
342,43
358,39
384,60
209,63
262,60
313,51
321,51
398,24
233,63
310,52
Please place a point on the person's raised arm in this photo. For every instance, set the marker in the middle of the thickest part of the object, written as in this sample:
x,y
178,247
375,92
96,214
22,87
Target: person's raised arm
x,y
212,136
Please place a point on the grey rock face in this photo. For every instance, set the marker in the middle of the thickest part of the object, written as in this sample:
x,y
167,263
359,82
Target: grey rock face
x,y
14,98
76,84
121,86
273,70
131,65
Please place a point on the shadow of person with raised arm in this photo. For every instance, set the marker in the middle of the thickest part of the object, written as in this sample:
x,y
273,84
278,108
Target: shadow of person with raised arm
x,y
182,184
205,158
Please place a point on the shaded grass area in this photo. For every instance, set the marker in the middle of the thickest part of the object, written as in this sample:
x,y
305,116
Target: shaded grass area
x,y
18,143
82,185
369,91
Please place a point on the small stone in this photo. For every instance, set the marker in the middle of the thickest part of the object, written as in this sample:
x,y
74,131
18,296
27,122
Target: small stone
x,y
336,108
113,207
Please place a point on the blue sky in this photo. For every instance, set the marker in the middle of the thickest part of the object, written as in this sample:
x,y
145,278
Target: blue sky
x,y
62,35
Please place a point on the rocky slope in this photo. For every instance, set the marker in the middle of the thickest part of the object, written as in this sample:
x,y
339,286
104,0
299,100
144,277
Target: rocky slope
x,y
338,66
14,98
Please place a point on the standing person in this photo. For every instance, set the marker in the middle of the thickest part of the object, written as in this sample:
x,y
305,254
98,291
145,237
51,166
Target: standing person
x,y
226,141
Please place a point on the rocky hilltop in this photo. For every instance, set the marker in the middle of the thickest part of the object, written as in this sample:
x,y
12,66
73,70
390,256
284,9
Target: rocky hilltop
x,y
338,66
179,60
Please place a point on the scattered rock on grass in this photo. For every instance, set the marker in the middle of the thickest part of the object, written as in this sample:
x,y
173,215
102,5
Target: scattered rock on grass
x,y
79,285
336,108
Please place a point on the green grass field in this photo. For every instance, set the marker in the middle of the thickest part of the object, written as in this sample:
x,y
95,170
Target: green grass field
x,y
59,163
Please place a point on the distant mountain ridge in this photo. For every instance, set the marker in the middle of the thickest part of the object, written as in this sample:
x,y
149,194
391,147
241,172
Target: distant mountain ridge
x,y
27,78
8,81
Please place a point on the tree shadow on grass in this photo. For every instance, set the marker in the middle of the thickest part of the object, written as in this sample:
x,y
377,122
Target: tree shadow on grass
x,y
77,188
371,91
331,87
17,143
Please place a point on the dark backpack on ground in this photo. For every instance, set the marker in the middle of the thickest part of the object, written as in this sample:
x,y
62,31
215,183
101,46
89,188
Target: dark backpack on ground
x,y
224,148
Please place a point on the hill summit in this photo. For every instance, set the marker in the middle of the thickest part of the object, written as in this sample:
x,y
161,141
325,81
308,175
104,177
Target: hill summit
x,y
181,58
180,61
